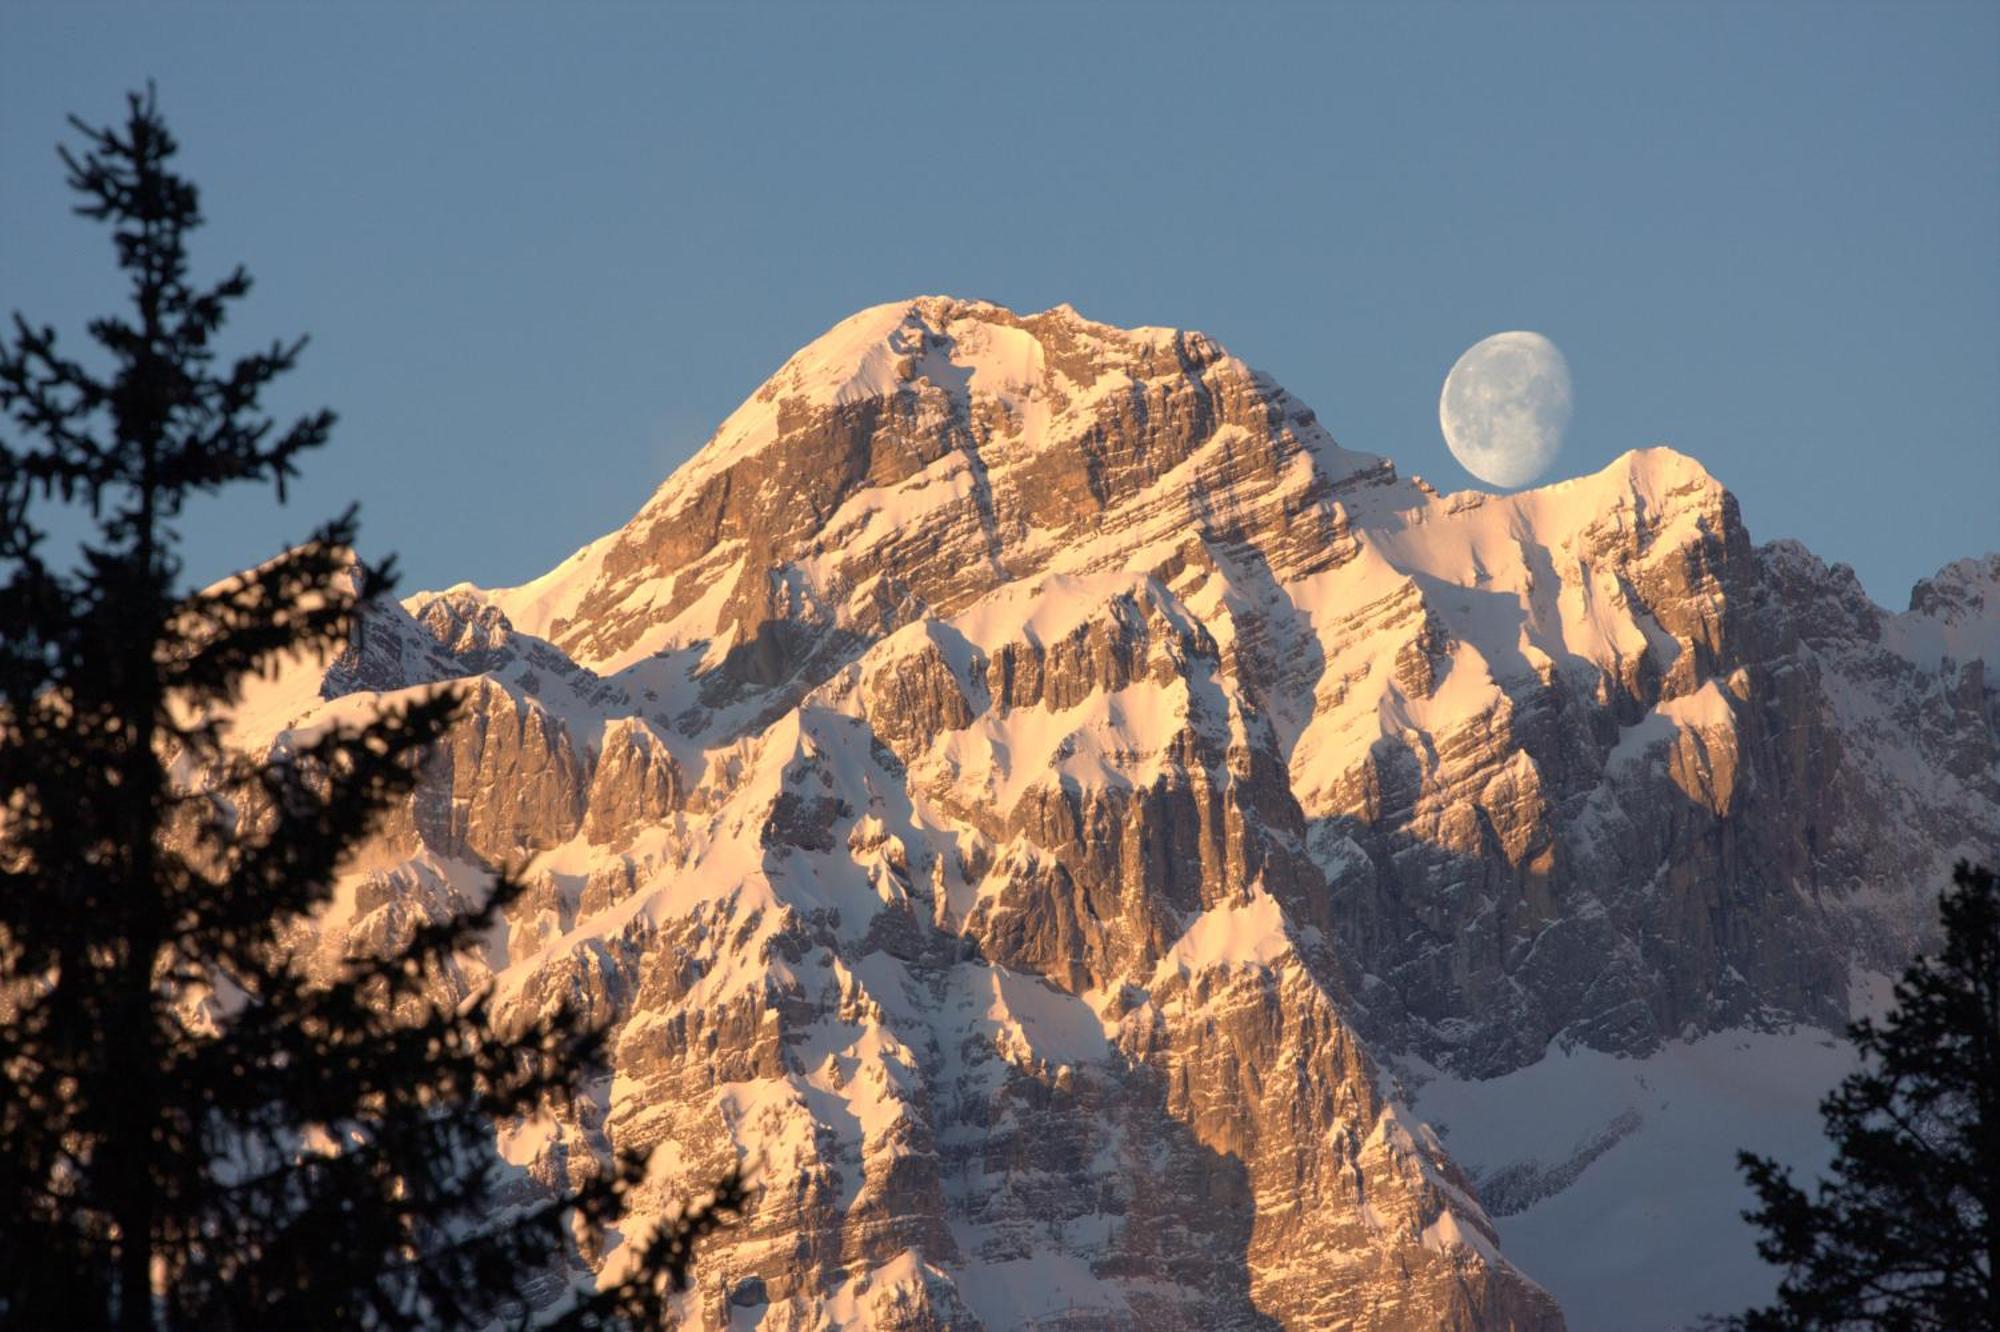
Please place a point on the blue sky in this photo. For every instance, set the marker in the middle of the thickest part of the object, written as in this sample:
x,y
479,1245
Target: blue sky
x,y
543,252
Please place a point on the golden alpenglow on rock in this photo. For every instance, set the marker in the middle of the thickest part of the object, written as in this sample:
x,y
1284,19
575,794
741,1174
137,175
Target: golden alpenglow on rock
x,y
1029,794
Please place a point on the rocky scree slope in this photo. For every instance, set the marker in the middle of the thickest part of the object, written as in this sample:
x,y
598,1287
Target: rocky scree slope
x,y
999,786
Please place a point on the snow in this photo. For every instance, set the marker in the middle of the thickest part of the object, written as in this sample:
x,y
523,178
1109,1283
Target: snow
x,y
1966,628
859,1079
1107,740
858,357
873,1297
523,1141
964,347
1003,362
1029,1018
1047,609
535,606
1236,934
876,513
1649,1236
1446,1234
291,714
1505,579
1642,1149
1487,568
1707,708
971,350
1046,1284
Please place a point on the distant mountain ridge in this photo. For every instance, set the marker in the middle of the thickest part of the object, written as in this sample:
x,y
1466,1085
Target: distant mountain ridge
x,y
1014,781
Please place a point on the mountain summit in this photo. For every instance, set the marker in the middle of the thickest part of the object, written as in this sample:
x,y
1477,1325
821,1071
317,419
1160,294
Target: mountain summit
x,y
913,458
1019,778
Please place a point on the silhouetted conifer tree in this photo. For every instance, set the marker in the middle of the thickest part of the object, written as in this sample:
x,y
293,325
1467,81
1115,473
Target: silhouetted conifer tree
x,y
1906,1233
193,1132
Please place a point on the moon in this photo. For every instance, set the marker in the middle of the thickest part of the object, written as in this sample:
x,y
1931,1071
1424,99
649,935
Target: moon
x,y
1505,406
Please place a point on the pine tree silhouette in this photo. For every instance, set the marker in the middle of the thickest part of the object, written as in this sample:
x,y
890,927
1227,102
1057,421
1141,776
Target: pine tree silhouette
x,y
1906,1233
194,1133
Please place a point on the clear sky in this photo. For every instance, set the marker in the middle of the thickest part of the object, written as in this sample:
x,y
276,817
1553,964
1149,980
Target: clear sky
x,y
541,253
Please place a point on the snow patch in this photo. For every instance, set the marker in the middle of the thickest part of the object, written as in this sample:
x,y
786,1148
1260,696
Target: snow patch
x,y
1236,934
1616,1246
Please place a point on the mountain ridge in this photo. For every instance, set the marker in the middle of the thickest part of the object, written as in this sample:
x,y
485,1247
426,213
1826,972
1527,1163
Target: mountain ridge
x,y
1013,777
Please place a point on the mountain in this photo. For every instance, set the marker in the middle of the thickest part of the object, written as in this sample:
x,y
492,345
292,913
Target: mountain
x,y
1031,793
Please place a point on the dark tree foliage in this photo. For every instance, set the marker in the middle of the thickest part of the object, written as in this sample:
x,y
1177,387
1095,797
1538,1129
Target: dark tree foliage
x,y
193,1132
1906,1234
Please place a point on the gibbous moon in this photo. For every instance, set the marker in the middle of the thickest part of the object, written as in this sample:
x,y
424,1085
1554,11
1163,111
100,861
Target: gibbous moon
x,y
1505,407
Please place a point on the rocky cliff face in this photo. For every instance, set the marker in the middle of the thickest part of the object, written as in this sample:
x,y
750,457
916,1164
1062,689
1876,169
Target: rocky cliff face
x,y
1006,783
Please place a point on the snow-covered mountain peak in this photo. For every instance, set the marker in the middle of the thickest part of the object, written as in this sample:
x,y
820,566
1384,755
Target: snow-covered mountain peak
x,y
1647,486
1961,590
1954,616
1012,777
876,351
922,452
1042,370
1658,474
